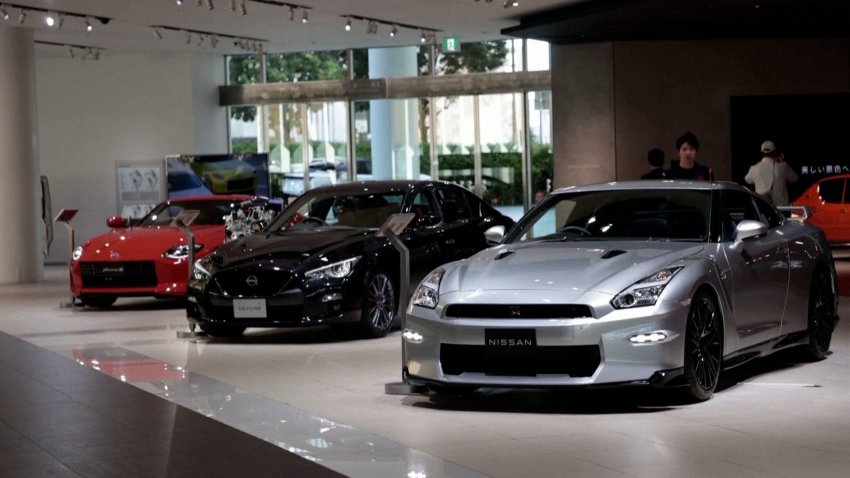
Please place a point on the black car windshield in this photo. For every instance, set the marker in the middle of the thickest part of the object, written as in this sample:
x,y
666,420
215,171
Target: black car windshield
x,y
358,210
210,213
638,215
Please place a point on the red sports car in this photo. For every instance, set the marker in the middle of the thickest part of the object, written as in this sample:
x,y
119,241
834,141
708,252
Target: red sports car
x,y
149,259
829,201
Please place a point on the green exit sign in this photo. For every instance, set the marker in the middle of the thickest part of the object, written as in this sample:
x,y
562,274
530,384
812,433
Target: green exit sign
x,y
451,44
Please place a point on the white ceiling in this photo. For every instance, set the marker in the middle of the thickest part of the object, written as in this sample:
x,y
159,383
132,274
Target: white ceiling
x,y
129,30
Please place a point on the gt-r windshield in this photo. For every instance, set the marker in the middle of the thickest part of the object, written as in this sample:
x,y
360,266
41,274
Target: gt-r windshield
x,y
337,209
634,215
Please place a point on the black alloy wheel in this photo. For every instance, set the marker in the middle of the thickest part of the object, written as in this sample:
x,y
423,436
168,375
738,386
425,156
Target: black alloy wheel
x,y
223,330
821,314
100,302
703,347
379,306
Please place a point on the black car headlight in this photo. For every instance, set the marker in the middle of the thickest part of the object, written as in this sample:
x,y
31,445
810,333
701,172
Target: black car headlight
x,y
180,251
203,268
428,292
645,291
337,270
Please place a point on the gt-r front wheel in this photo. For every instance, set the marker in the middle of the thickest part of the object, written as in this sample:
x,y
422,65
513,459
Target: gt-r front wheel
x,y
821,314
379,305
703,347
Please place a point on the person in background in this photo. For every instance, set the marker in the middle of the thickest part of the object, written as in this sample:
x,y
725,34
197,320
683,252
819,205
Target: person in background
x,y
655,157
688,167
771,175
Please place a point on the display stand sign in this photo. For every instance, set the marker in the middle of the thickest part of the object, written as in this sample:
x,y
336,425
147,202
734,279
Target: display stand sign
x,y
182,221
65,217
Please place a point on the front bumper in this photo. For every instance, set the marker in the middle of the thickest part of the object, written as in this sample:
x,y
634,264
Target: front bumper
x,y
287,301
581,351
160,278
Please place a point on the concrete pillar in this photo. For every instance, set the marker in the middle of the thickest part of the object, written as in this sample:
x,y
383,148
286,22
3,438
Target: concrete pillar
x,y
21,233
583,122
393,123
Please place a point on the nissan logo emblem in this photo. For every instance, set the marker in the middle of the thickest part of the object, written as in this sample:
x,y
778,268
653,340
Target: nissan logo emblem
x,y
252,281
515,311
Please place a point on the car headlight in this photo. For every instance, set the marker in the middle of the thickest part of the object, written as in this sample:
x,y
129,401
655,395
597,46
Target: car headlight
x,y
78,252
428,292
203,268
181,251
337,270
645,291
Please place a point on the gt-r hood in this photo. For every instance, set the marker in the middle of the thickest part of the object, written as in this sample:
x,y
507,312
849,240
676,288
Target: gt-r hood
x,y
606,267
292,246
146,243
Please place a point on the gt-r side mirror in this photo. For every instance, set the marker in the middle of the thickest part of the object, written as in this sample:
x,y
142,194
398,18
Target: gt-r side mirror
x,y
747,229
494,235
116,222
427,220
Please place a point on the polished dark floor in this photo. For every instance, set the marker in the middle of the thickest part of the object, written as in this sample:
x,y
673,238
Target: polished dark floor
x,y
60,419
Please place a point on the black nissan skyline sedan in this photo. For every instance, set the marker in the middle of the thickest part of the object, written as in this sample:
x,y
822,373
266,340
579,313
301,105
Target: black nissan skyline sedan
x,y
322,261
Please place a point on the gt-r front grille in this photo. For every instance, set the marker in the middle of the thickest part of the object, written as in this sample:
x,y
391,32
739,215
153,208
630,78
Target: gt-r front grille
x,y
518,311
119,274
575,361
252,283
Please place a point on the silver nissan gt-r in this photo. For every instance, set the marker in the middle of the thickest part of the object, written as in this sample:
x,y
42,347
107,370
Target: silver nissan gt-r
x,y
651,282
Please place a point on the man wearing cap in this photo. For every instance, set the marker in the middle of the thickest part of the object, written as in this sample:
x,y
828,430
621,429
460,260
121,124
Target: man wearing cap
x,y
771,175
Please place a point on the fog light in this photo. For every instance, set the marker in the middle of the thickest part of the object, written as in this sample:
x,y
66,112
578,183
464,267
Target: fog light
x,y
331,298
412,336
649,338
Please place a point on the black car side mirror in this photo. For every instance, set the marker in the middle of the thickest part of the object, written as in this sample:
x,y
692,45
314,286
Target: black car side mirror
x,y
426,220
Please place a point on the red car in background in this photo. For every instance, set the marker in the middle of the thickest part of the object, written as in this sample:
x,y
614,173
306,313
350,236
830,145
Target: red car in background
x,y
150,258
829,203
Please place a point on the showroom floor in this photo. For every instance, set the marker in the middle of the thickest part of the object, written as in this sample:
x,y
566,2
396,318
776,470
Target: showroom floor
x,y
319,394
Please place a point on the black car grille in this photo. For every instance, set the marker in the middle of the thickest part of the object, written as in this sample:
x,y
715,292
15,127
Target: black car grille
x,y
265,283
119,274
575,361
240,184
518,311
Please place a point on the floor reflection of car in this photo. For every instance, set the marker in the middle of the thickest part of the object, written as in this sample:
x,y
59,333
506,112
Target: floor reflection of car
x,y
829,203
184,182
149,259
321,261
661,283
227,177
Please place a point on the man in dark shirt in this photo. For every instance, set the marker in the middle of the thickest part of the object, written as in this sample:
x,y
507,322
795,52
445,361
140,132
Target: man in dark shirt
x,y
656,162
687,167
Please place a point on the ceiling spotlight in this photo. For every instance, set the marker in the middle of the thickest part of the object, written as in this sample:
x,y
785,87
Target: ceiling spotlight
x,y
304,18
348,24
157,34
60,20
291,13
242,9
70,53
89,28
210,5
95,55
49,20
214,40
232,5
394,31
179,3
198,3
22,17
372,28
4,13
201,39
511,3
422,36
188,37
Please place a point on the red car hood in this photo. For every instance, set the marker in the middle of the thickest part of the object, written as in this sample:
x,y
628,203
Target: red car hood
x,y
147,243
